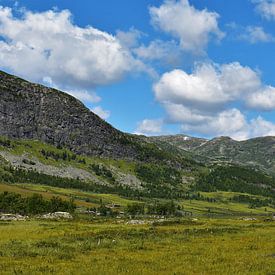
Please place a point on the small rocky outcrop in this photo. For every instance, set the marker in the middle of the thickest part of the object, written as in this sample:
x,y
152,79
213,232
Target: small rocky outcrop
x,y
57,216
12,217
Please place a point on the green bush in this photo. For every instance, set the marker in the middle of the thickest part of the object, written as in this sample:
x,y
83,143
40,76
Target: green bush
x,y
135,209
36,204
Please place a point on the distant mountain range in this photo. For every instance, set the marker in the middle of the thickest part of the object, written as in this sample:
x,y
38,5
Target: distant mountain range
x,y
257,152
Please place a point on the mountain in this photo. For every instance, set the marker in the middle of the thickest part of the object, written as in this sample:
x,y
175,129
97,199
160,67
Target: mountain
x,y
32,111
182,142
257,152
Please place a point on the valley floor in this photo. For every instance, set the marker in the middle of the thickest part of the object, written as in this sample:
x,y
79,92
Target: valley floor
x,y
102,246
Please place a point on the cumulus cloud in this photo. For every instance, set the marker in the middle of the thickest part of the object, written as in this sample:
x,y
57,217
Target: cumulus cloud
x,y
168,52
255,34
202,101
104,114
209,87
179,113
88,97
263,100
266,8
261,127
192,27
49,44
232,123
82,95
229,123
130,38
149,127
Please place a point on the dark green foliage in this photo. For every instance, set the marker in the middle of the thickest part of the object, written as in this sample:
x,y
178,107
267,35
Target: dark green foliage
x,y
253,202
236,179
149,150
102,171
135,209
158,174
163,208
5,142
15,203
63,155
161,181
106,211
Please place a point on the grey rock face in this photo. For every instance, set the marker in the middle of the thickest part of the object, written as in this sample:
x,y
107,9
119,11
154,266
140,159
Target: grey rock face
x,y
32,111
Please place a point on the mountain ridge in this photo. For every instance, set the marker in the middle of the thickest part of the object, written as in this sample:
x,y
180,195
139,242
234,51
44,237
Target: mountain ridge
x,y
256,152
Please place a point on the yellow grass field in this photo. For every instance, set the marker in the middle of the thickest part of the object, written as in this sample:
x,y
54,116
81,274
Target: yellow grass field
x,y
205,246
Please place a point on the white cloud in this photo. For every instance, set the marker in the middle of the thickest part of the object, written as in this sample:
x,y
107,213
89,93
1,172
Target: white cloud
x,y
227,123
50,44
149,127
167,51
255,34
260,127
88,97
178,113
209,87
192,27
263,100
266,8
82,95
232,123
202,101
104,114
129,39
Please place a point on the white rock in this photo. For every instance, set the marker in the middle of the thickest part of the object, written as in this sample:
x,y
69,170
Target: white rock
x,y
12,217
57,215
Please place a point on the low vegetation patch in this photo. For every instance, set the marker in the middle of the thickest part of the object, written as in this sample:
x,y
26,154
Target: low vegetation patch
x,y
35,204
236,179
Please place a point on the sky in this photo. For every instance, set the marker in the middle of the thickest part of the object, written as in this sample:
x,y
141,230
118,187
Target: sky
x,y
203,68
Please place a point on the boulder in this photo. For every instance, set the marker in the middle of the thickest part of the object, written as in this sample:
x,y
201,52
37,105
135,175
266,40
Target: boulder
x,y
12,217
57,215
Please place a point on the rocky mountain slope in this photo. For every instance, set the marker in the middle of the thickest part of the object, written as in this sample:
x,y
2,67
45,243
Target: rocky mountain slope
x,y
182,142
32,111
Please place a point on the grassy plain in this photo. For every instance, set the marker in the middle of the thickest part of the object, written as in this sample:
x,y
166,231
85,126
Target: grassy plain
x,y
205,246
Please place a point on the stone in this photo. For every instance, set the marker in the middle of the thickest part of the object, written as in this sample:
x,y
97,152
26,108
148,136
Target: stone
x,y
57,215
12,217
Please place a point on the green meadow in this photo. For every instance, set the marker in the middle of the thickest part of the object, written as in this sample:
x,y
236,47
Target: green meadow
x,y
100,246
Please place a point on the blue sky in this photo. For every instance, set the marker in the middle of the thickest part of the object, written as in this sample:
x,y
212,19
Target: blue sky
x,y
199,67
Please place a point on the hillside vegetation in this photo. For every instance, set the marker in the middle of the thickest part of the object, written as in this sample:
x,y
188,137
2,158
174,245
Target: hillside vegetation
x,y
30,167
